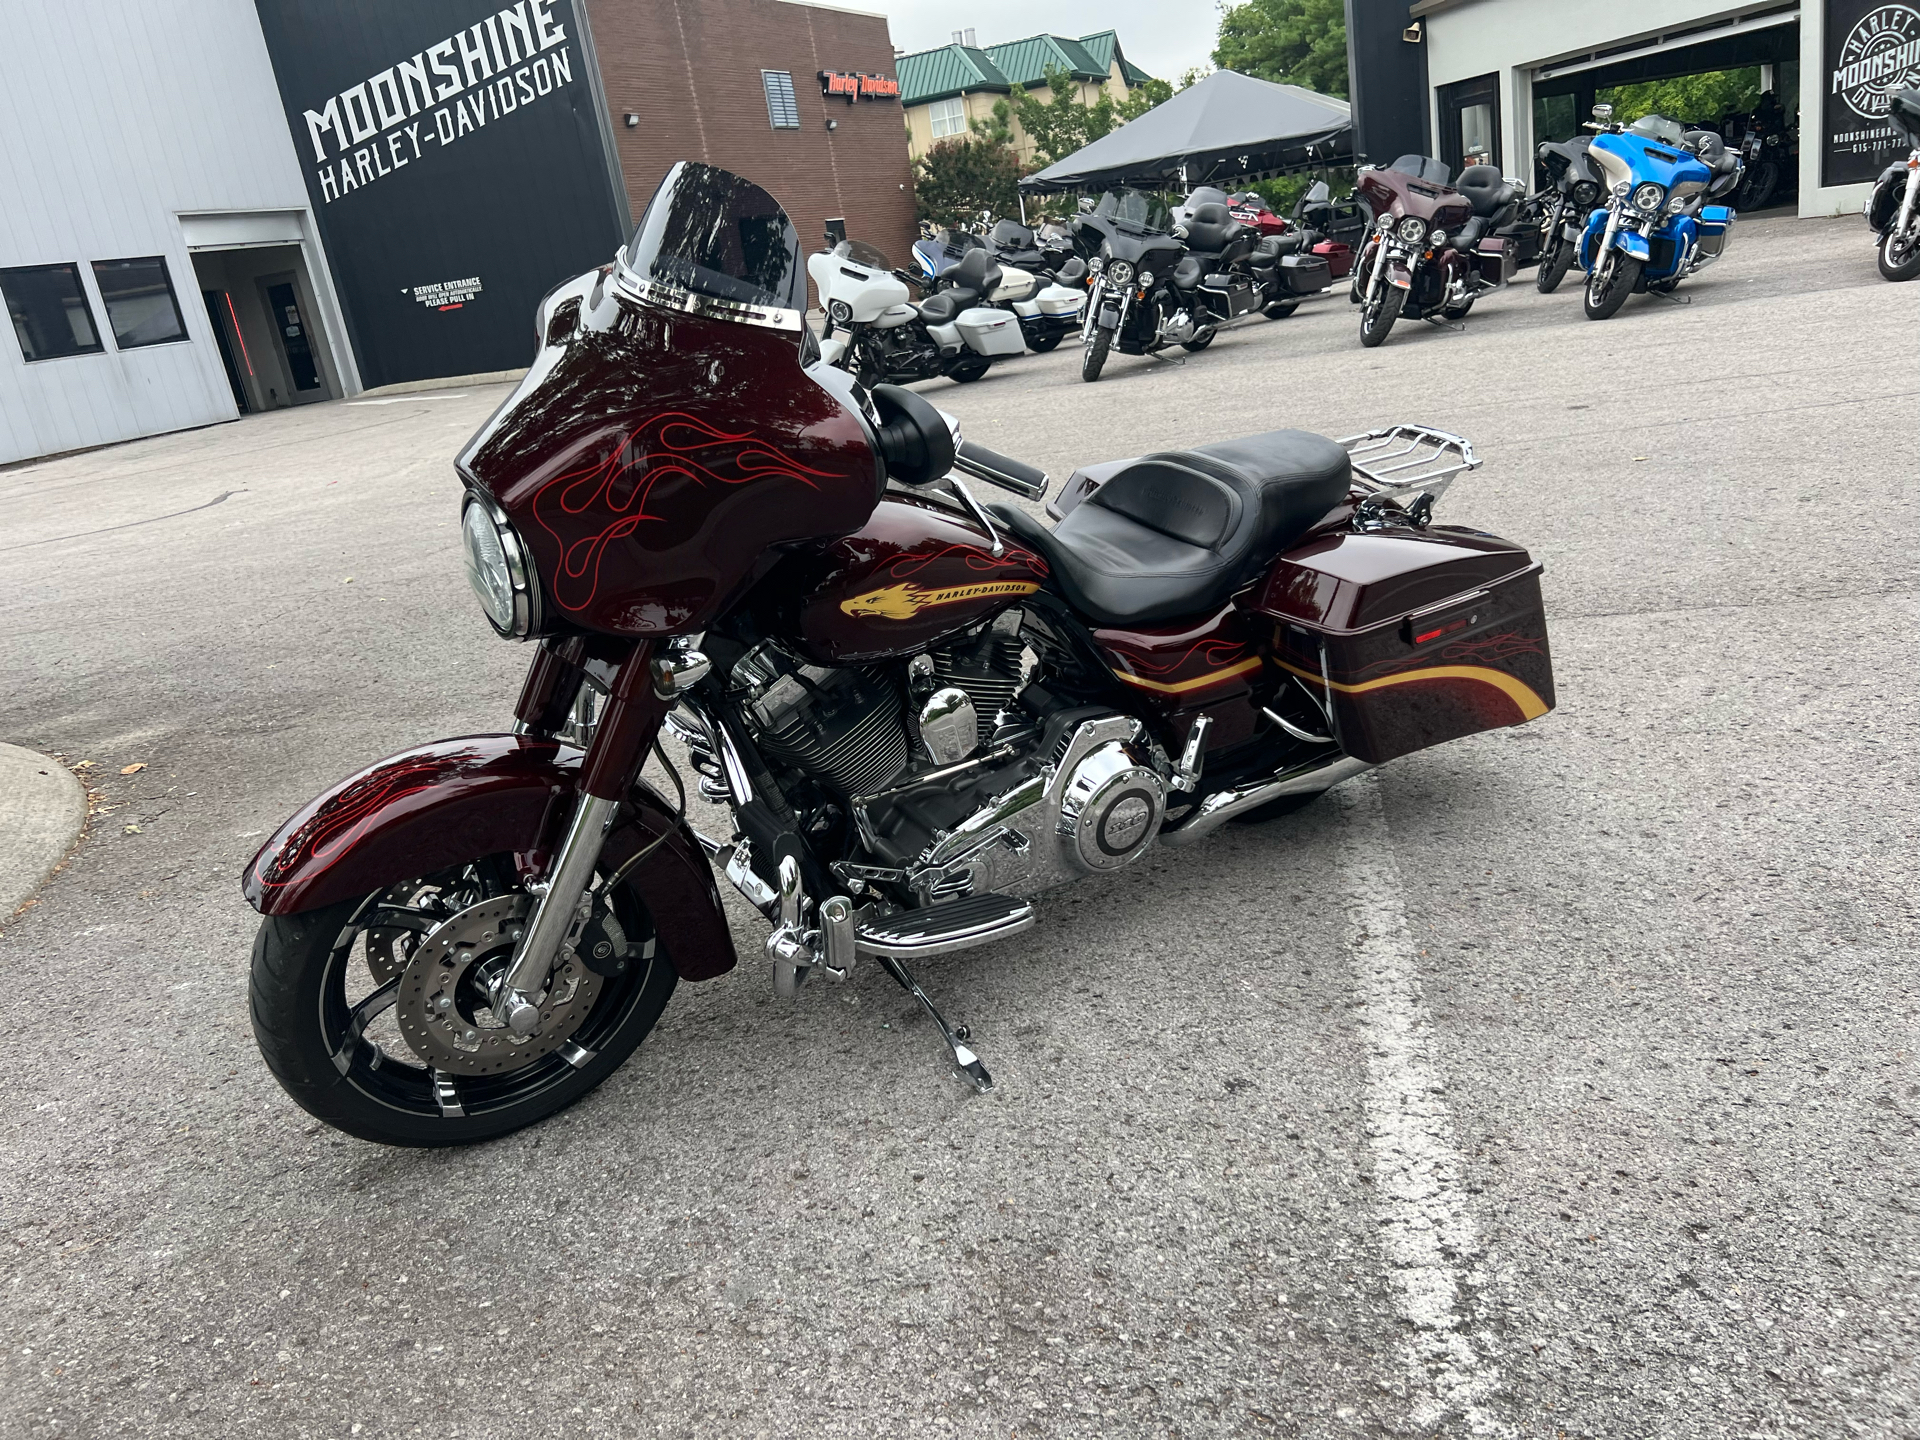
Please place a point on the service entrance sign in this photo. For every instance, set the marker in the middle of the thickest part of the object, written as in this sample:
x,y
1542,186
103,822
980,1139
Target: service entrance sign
x,y
1872,49
456,165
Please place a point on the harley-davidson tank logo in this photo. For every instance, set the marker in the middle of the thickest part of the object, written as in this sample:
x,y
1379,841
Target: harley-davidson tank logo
x,y
904,601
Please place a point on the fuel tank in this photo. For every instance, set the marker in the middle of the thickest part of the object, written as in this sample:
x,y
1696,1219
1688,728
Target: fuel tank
x,y
913,574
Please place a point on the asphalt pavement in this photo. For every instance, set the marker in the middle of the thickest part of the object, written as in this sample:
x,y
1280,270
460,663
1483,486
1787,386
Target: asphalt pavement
x,y
1561,1081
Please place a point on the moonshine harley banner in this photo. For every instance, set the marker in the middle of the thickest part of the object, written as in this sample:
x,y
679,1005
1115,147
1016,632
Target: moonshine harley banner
x,y
444,138
1872,49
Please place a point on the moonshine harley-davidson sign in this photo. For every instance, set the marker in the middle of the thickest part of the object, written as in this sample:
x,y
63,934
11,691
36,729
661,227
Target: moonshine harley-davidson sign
x,y
1872,49
444,138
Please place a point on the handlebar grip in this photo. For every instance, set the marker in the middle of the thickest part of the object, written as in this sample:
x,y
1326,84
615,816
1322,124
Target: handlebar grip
x,y
1002,470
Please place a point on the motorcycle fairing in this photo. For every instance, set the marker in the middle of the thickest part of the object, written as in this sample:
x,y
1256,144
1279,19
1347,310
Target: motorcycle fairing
x,y
1884,203
652,458
458,800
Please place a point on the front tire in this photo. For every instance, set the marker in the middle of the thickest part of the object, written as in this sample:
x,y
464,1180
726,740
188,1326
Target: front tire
x,y
1377,317
1554,264
1898,258
1099,341
1614,277
348,1062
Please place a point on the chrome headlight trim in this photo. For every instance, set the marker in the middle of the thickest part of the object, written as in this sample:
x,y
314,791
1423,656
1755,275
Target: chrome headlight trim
x,y
1413,230
1120,272
522,581
1648,196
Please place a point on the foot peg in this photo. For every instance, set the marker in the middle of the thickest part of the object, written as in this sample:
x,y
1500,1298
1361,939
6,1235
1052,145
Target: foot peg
x,y
964,1060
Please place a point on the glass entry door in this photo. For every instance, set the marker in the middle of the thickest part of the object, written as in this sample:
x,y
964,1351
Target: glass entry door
x,y
1470,123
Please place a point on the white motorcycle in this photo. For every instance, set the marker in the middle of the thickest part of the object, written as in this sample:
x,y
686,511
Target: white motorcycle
x,y
878,334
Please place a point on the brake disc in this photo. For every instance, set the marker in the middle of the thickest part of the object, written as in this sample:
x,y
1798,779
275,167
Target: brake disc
x,y
444,1009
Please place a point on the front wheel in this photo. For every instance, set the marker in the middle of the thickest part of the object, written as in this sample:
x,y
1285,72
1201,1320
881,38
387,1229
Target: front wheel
x,y
1757,186
1611,280
374,1015
1046,344
1899,256
1099,340
1555,261
1377,317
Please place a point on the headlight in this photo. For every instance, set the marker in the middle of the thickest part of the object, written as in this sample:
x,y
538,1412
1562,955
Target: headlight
x,y
1585,192
1146,277
1413,229
1096,265
1622,188
1677,204
498,569
840,310
1647,196
1437,238
1120,272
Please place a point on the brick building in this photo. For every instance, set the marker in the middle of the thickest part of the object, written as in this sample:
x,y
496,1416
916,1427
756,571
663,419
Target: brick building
x,y
739,83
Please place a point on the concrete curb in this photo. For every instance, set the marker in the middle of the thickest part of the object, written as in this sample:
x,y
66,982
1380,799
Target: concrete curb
x,y
444,382
42,810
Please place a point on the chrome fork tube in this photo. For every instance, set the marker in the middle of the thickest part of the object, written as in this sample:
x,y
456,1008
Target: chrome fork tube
x,y
1606,241
555,914
1379,275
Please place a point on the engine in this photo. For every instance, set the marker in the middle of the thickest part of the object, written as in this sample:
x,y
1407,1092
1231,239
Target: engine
x,y
952,774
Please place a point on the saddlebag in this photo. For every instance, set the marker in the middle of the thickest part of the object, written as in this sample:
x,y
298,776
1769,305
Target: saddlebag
x,y
1339,258
990,332
1229,300
1714,222
1494,257
1410,638
1305,274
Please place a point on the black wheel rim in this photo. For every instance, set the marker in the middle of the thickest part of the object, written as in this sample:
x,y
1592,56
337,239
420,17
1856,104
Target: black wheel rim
x,y
408,1086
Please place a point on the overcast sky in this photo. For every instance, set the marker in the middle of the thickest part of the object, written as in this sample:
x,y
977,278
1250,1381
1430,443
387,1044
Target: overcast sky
x,y
1162,37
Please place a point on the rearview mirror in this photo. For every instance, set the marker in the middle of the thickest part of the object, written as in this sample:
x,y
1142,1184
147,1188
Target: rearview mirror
x,y
1603,112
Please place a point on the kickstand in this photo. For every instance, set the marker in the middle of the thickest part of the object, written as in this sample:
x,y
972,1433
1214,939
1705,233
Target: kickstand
x,y
1167,359
1440,322
1669,295
956,1037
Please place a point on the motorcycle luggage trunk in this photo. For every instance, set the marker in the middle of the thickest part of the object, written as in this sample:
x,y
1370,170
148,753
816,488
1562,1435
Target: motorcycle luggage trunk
x,y
1305,274
1416,636
990,332
1339,258
1714,222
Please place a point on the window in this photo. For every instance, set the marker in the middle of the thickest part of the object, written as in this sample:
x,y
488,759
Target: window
x,y
949,117
49,311
783,110
138,295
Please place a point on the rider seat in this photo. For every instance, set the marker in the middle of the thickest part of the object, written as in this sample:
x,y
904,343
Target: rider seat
x,y
974,276
1490,195
1211,229
1176,533
1714,154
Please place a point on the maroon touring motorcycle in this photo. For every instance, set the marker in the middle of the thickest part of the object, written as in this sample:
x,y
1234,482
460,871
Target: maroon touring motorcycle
x,y
920,711
1433,250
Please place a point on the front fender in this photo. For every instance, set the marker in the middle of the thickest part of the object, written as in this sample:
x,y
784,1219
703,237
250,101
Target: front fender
x,y
1632,242
457,800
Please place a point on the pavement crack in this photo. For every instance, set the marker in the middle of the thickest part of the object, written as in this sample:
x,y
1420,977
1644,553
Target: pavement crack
x,y
108,529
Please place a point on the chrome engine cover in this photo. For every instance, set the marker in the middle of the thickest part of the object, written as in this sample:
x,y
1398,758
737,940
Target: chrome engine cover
x,y
1095,808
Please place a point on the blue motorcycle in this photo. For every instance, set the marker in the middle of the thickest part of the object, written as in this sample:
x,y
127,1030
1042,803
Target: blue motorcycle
x,y
1659,224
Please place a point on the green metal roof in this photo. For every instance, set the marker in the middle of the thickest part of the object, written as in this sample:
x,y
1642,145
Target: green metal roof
x,y
929,75
950,70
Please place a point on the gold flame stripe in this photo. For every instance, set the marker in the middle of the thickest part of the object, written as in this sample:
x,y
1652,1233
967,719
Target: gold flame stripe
x,y
1180,687
1530,705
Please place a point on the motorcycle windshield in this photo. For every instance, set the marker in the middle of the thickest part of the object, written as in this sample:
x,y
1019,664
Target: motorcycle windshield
x,y
1658,127
861,253
715,244
1135,211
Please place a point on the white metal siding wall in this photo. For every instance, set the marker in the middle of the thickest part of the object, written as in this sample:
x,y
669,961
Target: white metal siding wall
x,y
115,115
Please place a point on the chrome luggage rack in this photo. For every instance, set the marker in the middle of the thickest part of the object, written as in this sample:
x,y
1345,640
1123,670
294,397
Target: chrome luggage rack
x,y
1404,460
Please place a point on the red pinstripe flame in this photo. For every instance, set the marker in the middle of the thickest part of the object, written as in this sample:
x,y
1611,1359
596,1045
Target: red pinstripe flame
x,y
334,829
619,487
1211,653
913,563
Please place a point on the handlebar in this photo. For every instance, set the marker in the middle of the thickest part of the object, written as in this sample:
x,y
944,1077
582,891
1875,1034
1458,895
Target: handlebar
x,y
1022,479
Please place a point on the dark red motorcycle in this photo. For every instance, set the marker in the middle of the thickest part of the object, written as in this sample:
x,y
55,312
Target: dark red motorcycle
x,y
1433,250
920,711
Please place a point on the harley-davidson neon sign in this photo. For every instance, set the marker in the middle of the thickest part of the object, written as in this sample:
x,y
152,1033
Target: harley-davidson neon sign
x,y
857,86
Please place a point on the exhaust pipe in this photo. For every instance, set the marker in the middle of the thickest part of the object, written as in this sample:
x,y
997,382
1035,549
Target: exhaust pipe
x,y
1308,778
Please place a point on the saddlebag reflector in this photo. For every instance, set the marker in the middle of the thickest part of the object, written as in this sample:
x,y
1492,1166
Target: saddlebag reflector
x,y
1410,637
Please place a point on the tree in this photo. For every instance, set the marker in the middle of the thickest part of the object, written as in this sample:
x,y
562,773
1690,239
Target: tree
x,y
957,179
1294,42
1704,97
1060,125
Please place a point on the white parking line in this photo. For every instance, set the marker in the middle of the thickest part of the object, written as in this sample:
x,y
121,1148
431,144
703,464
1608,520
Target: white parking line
x,y
1426,1232
409,399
